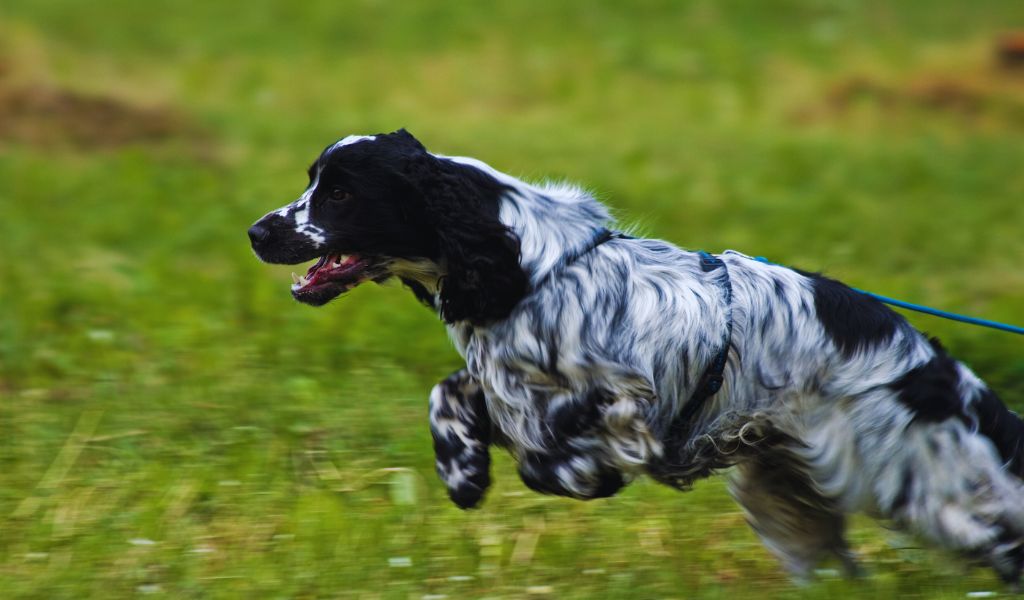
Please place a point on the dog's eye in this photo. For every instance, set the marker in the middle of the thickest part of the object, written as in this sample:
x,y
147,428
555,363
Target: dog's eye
x,y
339,194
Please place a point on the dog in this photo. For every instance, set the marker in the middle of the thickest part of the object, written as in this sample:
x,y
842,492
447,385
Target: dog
x,y
595,357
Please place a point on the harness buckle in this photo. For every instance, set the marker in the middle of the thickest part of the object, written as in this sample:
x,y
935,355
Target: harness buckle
x,y
709,262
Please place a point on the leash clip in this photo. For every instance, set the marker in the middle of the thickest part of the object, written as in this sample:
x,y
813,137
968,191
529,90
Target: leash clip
x,y
709,262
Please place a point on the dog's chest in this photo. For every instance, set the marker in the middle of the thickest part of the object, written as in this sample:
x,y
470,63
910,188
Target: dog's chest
x,y
515,407
517,392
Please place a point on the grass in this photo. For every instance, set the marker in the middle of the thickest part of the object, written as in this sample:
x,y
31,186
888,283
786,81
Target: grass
x,y
173,424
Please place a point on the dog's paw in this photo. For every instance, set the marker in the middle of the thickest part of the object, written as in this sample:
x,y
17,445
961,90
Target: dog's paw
x,y
467,481
468,495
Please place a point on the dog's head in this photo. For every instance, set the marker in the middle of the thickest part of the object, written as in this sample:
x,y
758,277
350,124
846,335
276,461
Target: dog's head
x,y
381,206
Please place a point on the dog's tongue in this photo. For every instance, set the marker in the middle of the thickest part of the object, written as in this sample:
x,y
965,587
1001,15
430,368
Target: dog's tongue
x,y
325,259
346,268
332,266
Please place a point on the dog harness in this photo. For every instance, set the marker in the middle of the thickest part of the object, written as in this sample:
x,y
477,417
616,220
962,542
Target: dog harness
x,y
712,378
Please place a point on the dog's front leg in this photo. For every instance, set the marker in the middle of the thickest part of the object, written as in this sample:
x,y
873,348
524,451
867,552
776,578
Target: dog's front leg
x,y
571,473
576,462
461,429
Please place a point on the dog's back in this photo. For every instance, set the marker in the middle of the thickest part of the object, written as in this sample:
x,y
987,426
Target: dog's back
x,y
875,417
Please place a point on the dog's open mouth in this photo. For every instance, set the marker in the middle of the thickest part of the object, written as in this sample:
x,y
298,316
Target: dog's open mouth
x,y
331,276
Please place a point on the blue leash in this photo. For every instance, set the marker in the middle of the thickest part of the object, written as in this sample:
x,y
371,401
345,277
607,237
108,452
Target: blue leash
x,y
928,310
946,315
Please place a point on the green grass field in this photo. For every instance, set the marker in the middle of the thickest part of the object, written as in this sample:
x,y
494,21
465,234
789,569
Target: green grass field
x,y
172,424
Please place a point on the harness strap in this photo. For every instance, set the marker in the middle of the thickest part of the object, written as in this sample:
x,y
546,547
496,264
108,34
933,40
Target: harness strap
x,y
601,236
711,380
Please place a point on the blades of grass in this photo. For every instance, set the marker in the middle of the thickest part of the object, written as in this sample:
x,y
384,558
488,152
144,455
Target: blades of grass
x,y
63,462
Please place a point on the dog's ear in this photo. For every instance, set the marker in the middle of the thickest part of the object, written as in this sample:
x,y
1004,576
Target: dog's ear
x,y
483,280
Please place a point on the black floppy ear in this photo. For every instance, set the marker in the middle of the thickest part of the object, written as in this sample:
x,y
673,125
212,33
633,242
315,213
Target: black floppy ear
x,y
480,254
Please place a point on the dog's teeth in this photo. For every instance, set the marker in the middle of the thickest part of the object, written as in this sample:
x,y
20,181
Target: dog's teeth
x,y
295,278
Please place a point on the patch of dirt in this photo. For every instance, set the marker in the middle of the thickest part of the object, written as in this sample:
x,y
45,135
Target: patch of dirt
x,y
990,90
1009,51
42,115
939,92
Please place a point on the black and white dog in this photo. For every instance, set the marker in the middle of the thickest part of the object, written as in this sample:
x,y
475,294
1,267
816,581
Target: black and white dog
x,y
594,357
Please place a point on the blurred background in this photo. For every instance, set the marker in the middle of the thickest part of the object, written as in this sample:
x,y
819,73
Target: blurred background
x,y
172,424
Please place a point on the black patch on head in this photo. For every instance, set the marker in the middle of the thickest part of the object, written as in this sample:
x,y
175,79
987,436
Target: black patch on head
x,y
361,204
365,202
930,390
854,321
389,198
1003,427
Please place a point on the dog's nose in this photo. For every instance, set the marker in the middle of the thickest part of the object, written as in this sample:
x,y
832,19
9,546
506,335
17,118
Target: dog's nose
x,y
258,233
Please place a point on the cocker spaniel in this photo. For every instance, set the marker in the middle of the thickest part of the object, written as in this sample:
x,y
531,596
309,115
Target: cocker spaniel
x,y
594,357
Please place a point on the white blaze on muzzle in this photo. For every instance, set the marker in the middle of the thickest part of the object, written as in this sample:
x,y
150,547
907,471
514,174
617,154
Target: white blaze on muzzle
x,y
298,212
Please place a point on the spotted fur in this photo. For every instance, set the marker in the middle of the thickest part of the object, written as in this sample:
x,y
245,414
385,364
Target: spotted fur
x,y
461,431
580,356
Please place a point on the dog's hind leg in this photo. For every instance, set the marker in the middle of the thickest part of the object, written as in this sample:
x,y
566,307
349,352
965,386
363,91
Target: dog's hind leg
x,y
461,429
924,452
948,486
952,472
795,521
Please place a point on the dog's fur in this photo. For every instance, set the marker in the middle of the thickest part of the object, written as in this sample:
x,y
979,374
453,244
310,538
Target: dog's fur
x,y
579,357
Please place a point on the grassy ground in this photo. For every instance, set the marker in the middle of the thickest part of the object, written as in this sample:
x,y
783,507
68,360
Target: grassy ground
x,y
173,424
